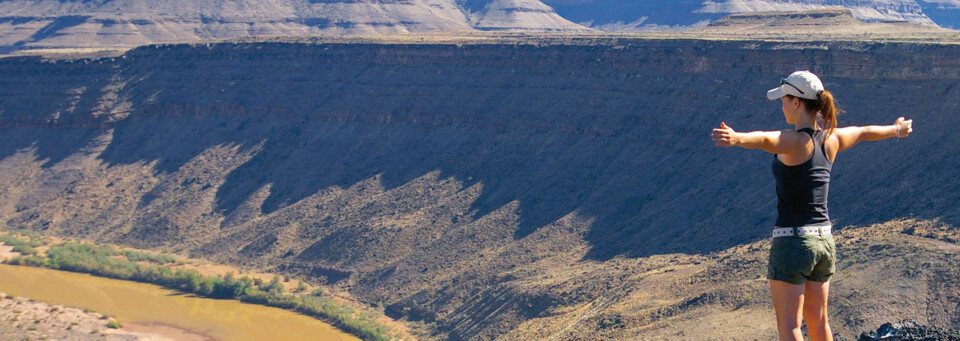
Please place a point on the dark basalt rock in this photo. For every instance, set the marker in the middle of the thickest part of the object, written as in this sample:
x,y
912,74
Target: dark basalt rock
x,y
910,330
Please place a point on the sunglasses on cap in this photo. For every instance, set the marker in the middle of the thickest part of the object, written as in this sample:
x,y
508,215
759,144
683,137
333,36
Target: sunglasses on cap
x,y
784,81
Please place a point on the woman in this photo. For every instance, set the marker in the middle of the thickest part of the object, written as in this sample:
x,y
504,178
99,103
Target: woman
x,y
802,252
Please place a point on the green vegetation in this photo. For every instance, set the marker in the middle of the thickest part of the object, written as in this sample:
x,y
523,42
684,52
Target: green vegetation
x,y
301,286
114,324
107,261
24,244
274,287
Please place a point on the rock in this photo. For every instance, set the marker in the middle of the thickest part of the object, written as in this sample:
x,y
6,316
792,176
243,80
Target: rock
x,y
910,330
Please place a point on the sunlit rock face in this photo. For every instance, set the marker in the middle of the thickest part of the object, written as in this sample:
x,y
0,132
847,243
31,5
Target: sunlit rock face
x,y
127,23
29,24
616,15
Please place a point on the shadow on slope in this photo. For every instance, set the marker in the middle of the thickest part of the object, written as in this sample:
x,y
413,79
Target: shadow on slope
x,y
618,141
48,105
618,149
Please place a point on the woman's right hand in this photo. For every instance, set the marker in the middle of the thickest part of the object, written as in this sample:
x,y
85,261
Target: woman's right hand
x,y
904,127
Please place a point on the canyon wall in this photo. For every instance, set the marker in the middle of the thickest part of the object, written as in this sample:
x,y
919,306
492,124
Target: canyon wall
x,y
473,186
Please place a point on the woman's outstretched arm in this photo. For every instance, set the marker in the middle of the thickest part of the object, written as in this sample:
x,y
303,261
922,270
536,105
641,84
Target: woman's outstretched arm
x,y
774,142
851,136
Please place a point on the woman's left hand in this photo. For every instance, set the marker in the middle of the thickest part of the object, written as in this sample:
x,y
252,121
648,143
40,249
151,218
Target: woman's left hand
x,y
904,127
724,136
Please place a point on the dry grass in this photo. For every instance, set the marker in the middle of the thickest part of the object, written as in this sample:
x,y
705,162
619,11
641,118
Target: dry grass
x,y
886,272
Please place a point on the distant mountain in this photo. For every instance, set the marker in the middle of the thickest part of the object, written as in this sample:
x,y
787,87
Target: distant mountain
x,y
515,15
620,15
813,24
617,15
33,24
126,23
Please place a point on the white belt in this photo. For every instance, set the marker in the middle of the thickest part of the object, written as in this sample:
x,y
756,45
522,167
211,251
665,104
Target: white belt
x,y
802,231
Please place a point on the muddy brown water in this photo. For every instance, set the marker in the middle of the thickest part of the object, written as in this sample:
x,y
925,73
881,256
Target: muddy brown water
x,y
142,303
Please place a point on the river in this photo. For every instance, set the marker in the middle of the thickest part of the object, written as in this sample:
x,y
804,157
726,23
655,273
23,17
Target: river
x,y
140,303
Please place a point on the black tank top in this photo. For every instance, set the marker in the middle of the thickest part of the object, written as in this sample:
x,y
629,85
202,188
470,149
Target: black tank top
x,y
802,189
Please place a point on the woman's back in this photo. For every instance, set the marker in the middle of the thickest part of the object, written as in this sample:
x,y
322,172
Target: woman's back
x,y
802,189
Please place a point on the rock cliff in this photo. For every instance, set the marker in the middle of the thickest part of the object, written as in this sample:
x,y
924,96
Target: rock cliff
x,y
122,24
621,15
563,188
46,24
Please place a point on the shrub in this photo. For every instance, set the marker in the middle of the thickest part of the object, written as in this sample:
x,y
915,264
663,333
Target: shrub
x,y
274,287
114,324
206,287
255,296
31,260
193,280
228,287
22,244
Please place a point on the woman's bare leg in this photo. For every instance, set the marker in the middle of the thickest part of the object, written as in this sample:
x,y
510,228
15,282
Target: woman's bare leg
x,y
788,303
815,311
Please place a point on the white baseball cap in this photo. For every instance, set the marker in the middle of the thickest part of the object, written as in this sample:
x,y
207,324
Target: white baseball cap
x,y
803,84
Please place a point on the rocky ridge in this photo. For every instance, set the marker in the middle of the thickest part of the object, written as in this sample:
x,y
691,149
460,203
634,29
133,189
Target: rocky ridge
x,y
122,24
824,17
823,24
45,24
616,15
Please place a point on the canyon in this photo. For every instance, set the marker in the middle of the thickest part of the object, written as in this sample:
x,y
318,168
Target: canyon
x,y
553,187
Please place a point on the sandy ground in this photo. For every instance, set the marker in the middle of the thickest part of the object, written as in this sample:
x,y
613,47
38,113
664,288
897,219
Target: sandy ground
x,y
160,332
6,252
25,319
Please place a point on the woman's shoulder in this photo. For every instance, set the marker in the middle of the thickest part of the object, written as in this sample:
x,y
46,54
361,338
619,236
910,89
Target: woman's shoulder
x,y
797,136
831,146
799,147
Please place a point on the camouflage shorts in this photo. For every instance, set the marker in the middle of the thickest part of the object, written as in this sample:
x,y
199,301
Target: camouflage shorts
x,y
797,259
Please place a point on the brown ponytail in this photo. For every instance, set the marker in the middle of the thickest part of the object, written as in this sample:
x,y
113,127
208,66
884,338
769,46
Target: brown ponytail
x,y
825,106
829,111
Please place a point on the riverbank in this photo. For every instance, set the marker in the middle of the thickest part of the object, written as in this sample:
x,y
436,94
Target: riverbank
x,y
22,318
6,252
170,272
148,308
